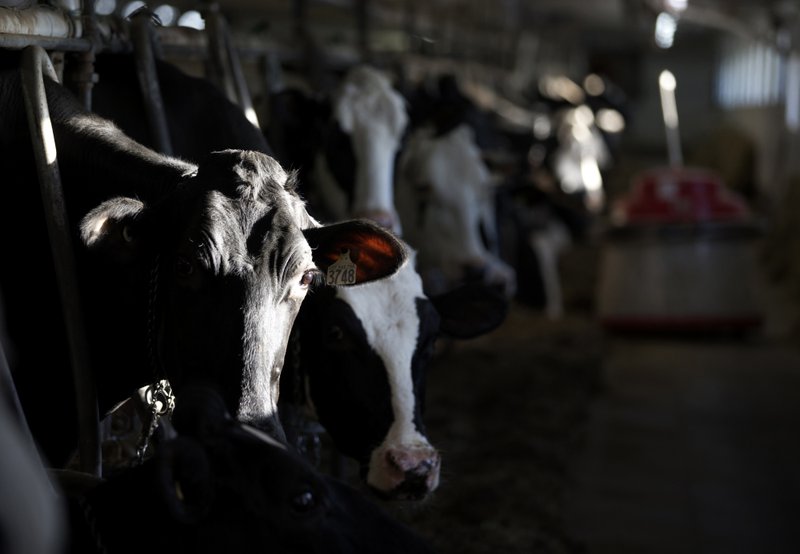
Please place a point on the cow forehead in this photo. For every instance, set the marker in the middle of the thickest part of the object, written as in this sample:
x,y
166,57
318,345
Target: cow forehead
x,y
387,310
456,164
243,230
366,99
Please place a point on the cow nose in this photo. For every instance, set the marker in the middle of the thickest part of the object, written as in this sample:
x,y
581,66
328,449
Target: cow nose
x,y
419,468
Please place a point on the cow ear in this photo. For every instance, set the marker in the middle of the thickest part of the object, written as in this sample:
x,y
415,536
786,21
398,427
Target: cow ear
x,y
185,480
374,252
471,310
114,227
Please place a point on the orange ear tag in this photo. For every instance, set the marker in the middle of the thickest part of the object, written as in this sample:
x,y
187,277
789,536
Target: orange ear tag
x,y
342,271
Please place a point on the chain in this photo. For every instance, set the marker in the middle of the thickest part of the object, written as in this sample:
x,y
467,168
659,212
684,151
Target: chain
x,y
158,396
161,401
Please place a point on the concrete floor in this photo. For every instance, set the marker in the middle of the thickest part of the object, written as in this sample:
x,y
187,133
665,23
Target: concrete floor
x,y
693,447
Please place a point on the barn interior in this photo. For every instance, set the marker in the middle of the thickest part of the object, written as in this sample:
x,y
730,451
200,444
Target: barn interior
x,y
640,395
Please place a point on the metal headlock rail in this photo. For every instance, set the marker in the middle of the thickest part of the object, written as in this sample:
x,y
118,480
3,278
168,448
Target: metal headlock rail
x,y
144,51
35,64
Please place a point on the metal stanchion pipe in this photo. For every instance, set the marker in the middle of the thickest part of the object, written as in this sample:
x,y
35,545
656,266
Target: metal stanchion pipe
x,y
35,64
148,81
226,68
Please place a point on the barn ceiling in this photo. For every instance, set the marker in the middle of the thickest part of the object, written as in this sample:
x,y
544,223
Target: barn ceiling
x,y
513,13
491,31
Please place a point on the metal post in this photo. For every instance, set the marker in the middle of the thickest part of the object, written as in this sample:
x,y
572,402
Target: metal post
x,y
225,64
35,63
141,32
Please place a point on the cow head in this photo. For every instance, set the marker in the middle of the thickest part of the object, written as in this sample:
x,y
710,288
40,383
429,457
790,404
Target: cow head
x,y
223,486
363,358
357,176
446,200
217,269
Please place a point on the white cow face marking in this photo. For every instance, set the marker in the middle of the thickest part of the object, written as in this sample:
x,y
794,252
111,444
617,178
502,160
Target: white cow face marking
x,y
374,116
445,198
387,310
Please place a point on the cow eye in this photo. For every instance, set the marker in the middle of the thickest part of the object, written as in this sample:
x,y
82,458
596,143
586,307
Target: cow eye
x,y
183,267
309,278
126,234
304,502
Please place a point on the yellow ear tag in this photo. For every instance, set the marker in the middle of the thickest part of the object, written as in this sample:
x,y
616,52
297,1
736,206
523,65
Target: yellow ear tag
x,y
342,271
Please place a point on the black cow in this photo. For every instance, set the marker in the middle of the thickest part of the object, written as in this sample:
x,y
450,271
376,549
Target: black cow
x,y
223,486
189,272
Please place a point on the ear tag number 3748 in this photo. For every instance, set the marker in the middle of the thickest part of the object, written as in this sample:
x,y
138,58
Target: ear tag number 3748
x,y
342,271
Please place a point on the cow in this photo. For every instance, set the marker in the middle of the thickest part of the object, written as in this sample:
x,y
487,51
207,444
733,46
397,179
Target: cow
x,y
346,144
190,272
445,197
358,366
225,486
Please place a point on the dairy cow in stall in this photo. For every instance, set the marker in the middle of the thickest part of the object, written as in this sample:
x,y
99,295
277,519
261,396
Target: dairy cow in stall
x,y
187,272
360,366
445,198
344,144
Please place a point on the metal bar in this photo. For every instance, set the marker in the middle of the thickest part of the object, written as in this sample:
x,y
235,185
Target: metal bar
x,y
237,76
218,66
225,66
148,81
18,42
35,64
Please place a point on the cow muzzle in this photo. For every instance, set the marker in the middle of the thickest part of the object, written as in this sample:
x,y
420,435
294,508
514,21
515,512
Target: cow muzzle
x,y
404,472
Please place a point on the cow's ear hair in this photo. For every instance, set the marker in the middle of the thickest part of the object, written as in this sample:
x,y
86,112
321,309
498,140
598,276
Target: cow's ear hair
x,y
114,227
185,479
375,252
470,310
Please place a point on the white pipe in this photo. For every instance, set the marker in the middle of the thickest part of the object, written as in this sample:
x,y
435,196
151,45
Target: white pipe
x,y
39,21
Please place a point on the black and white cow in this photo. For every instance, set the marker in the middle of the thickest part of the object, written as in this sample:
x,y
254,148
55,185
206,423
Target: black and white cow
x,y
224,486
361,364
445,197
346,145
190,272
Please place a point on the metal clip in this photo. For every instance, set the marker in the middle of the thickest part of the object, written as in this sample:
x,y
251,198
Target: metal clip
x,y
162,402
